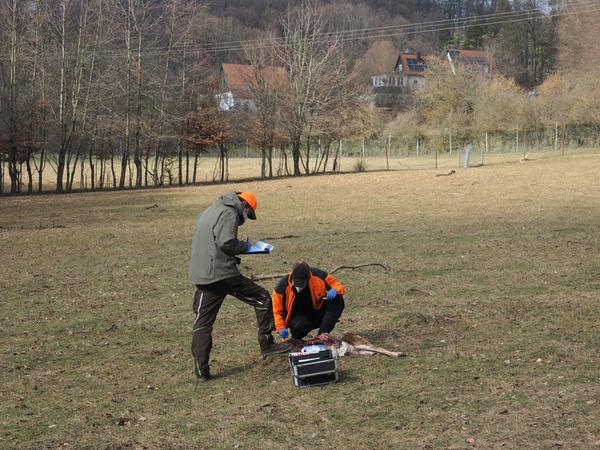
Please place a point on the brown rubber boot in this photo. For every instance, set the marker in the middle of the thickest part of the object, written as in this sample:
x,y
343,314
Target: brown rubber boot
x,y
268,346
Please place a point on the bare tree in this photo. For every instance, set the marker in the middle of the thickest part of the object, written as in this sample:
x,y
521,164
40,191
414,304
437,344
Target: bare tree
x,y
494,107
206,128
10,105
315,67
578,45
265,83
378,59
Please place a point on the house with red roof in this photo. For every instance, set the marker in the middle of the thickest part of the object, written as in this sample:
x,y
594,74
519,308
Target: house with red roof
x,y
473,61
411,67
240,82
394,89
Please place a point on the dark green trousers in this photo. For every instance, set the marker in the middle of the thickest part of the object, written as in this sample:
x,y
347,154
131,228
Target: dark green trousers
x,y
207,302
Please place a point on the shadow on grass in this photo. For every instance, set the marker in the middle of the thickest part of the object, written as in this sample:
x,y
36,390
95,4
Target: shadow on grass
x,y
230,371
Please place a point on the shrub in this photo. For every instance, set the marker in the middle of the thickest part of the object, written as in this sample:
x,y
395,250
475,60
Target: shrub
x,y
360,165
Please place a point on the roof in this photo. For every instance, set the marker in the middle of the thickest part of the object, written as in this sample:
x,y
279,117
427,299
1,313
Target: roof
x,y
240,78
471,56
411,64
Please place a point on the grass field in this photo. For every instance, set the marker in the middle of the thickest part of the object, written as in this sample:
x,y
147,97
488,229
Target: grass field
x,y
242,168
493,292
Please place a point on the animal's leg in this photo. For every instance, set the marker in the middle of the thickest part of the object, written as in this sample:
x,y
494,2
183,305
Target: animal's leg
x,y
383,351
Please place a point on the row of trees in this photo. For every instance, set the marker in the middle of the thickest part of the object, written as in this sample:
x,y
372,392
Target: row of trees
x,y
122,92
96,80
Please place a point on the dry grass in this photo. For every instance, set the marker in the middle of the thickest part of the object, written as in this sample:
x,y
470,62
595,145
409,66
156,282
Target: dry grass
x,y
241,168
493,293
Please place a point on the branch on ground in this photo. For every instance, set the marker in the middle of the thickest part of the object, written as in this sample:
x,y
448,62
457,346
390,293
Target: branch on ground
x,y
338,268
446,174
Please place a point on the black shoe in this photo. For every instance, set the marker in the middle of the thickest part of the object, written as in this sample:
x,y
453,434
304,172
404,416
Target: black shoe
x,y
268,346
201,375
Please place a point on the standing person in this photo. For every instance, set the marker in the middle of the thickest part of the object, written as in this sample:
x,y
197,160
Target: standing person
x,y
214,271
305,299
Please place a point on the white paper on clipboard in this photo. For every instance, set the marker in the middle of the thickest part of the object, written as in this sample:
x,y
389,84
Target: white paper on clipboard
x,y
260,247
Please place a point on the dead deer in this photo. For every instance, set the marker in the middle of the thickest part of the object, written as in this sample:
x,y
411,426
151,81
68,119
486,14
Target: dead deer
x,y
348,344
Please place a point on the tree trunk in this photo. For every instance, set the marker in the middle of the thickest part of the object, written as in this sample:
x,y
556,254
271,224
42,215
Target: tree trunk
x,y
130,172
73,170
101,175
285,160
187,167
29,176
223,167
318,158
162,171
179,162
195,168
68,167
263,162
20,179
128,89
112,169
326,152
296,156
41,167
62,100
270,160
138,117
157,158
337,160
13,172
91,162
82,182
307,166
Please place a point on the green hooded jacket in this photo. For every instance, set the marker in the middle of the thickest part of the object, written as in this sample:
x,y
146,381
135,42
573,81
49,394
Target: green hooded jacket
x,y
215,242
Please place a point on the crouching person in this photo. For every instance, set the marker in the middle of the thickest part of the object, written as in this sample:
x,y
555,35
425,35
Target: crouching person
x,y
306,299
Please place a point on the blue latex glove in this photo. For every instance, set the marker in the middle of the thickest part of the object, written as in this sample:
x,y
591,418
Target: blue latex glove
x,y
331,294
284,333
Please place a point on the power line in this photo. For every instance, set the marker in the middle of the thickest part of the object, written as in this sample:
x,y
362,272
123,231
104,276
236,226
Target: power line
x,y
584,7
457,22
360,33
261,44
367,33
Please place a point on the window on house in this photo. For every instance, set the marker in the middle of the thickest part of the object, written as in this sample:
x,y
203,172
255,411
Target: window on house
x,y
415,65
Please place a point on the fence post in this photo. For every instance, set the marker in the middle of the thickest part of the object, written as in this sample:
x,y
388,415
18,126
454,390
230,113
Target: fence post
x,y
387,151
468,150
486,141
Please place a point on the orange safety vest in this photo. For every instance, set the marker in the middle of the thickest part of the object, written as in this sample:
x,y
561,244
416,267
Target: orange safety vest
x,y
318,290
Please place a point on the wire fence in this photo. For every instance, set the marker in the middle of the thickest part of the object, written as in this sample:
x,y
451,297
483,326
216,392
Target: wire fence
x,y
392,152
